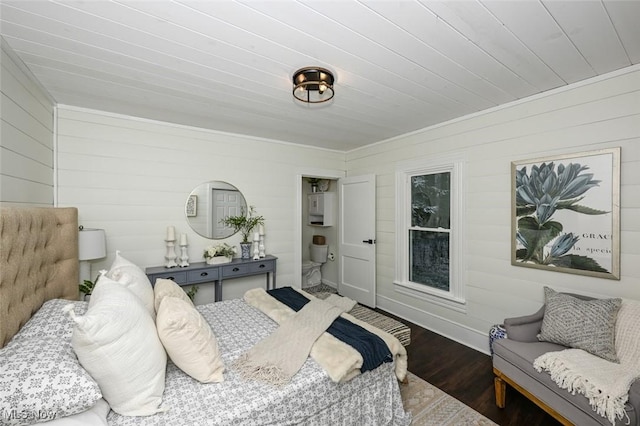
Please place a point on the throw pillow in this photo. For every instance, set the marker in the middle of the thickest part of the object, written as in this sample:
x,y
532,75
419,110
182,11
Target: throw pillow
x,y
168,288
189,341
94,416
42,380
133,277
117,343
582,324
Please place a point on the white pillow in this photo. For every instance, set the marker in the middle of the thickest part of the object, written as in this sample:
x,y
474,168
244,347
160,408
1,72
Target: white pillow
x,y
133,277
168,288
189,341
95,416
117,343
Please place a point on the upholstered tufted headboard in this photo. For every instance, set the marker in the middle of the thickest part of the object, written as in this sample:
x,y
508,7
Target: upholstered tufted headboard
x,y
38,262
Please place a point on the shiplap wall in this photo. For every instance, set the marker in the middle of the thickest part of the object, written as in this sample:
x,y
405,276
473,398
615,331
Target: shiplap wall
x,y
132,178
26,136
600,113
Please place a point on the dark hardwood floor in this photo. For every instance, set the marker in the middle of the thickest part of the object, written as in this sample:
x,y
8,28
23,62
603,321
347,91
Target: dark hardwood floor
x,y
467,375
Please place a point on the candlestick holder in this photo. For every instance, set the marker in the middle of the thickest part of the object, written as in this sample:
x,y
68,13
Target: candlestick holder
x,y
184,256
261,246
256,249
171,254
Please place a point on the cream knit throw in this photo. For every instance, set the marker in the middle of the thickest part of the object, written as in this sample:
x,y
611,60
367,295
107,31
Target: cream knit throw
x,y
604,383
341,302
341,361
278,357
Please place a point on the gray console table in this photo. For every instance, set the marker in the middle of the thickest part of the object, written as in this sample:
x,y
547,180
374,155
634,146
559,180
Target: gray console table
x,y
200,272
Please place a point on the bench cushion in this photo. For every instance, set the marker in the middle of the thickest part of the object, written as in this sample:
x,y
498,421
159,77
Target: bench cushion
x,y
515,360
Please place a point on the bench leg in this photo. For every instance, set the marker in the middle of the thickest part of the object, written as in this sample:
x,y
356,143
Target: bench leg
x,y
500,389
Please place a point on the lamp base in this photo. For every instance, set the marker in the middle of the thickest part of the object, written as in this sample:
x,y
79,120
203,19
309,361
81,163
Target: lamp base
x,y
85,271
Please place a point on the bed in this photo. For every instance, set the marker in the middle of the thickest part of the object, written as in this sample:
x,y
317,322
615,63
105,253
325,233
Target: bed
x,y
38,288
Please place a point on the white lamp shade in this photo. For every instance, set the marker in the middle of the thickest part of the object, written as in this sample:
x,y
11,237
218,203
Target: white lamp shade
x,y
91,244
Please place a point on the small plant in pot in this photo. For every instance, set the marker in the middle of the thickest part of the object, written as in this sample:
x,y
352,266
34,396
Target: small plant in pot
x,y
192,292
244,224
220,253
86,288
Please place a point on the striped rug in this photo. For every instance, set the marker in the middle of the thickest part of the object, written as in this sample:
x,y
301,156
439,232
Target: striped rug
x,y
390,325
429,406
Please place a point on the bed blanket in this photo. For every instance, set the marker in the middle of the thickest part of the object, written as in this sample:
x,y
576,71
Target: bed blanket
x,y
372,348
309,399
278,357
340,360
606,384
341,301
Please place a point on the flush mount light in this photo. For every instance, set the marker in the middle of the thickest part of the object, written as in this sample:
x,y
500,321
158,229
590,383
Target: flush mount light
x,y
313,85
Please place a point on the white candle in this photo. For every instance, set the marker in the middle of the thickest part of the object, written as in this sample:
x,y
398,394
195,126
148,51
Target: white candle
x,y
171,233
256,237
183,239
261,229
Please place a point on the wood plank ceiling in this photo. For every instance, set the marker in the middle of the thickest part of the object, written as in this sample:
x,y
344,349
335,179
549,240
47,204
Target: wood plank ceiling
x,y
400,65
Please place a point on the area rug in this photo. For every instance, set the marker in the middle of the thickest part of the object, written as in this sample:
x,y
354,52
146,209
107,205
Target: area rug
x,y
429,406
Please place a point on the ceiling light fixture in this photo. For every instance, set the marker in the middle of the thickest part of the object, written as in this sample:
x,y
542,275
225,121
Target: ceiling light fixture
x,y
313,85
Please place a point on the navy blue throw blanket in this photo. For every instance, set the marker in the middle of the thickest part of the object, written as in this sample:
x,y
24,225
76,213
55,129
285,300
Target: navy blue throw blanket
x,y
373,349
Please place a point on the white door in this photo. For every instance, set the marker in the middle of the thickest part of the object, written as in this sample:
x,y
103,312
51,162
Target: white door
x,y
357,234
227,203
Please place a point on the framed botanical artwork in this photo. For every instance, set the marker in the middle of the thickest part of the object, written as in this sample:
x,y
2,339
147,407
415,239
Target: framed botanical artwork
x,y
565,213
191,207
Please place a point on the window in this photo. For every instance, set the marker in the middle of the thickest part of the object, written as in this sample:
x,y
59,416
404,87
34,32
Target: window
x,y
429,231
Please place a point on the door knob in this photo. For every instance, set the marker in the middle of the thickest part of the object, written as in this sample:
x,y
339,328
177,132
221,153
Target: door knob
x,y
369,241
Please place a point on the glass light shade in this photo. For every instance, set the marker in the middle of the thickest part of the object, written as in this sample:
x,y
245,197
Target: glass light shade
x,y
313,85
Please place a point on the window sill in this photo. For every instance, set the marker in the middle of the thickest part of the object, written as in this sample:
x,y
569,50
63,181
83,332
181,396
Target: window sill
x,y
434,296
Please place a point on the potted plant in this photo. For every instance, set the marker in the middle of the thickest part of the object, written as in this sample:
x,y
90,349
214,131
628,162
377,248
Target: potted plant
x,y
86,288
220,253
192,292
244,224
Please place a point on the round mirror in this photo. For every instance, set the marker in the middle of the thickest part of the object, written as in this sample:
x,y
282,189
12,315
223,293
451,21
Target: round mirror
x,y
209,203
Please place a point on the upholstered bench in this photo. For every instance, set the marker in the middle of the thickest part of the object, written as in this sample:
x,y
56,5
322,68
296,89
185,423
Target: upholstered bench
x,y
383,322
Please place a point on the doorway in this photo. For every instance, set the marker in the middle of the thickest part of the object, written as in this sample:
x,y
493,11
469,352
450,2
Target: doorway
x,y
319,236
303,232
357,270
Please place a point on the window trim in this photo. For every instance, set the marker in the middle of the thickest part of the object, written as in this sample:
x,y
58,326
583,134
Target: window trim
x,y
455,297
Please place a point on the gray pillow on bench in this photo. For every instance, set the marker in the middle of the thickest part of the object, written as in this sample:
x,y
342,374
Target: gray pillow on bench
x,y
582,324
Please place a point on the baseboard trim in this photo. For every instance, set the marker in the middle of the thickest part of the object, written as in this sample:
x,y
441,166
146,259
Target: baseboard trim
x,y
449,329
330,284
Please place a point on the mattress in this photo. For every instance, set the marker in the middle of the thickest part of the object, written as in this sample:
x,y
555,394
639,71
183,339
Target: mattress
x,y
311,398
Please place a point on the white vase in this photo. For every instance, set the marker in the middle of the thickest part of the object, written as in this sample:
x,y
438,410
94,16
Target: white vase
x,y
217,260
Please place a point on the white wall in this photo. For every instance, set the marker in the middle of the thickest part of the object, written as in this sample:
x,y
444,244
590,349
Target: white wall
x,y
600,113
26,136
132,178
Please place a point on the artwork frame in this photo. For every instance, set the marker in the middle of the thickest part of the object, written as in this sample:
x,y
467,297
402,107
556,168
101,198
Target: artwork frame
x,y
565,213
191,208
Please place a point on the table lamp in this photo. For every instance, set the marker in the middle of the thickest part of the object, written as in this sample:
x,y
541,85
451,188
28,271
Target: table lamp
x,y
91,246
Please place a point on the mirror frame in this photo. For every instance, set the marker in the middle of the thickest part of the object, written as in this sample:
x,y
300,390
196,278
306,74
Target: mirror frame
x,y
200,208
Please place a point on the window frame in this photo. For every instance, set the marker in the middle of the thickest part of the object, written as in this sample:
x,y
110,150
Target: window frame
x,y
455,297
